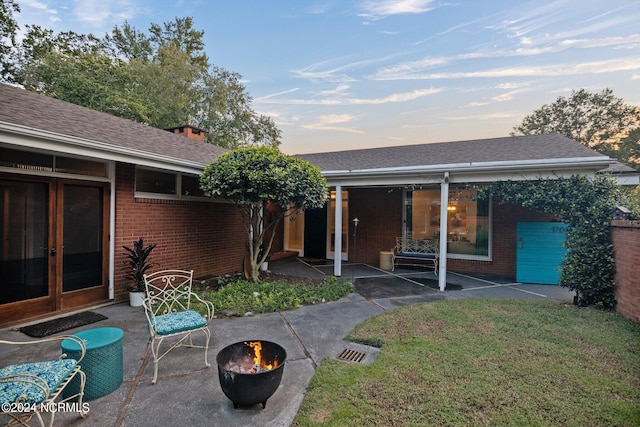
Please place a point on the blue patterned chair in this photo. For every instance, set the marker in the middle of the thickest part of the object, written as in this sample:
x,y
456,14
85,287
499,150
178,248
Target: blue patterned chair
x,y
168,306
31,389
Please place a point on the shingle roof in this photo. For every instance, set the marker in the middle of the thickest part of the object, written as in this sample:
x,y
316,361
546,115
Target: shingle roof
x,y
24,108
620,168
513,148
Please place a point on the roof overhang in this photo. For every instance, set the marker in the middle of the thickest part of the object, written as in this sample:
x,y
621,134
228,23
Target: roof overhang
x,y
38,139
476,172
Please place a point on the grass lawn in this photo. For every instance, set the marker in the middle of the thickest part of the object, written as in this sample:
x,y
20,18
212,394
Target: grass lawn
x,y
480,362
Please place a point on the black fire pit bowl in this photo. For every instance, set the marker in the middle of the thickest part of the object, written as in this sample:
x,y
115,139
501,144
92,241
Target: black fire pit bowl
x,y
250,389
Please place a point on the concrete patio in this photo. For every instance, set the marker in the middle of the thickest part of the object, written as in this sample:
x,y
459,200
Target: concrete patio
x,y
187,393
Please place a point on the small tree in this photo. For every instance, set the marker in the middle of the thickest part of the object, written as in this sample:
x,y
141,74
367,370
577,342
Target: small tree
x,y
257,178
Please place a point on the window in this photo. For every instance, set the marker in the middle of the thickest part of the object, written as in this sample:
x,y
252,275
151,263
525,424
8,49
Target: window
x,y
41,162
468,220
158,182
152,183
191,186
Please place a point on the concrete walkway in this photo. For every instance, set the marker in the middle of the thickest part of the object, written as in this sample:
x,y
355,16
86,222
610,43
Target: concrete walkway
x,y
187,393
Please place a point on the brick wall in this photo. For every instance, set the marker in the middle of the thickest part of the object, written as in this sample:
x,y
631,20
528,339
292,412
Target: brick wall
x,y
380,213
211,231
625,236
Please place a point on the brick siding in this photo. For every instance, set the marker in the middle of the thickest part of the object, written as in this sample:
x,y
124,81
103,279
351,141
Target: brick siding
x,y
206,237
625,236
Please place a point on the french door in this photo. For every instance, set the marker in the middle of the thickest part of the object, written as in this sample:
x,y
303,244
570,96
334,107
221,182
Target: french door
x,y
54,245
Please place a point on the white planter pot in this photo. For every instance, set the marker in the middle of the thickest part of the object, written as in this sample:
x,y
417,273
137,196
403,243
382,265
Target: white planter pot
x,y
136,299
264,266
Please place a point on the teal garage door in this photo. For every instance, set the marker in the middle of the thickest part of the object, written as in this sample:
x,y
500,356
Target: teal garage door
x,y
540,252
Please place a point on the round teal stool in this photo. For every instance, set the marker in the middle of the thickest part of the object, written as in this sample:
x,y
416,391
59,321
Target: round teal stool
x,y
102,362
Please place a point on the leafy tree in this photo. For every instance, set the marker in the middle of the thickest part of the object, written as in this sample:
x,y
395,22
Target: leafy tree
x,y
259,179
181,34
174,97
8,29
129,43
585,205
630,148
227,114
161,78
598,120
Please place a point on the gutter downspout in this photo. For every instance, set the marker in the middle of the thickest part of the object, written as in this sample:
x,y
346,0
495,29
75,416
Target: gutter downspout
x,y
444,223
112,229
337,252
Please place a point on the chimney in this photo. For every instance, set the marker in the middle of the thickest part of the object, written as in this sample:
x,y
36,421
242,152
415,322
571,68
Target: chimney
x,y
189,131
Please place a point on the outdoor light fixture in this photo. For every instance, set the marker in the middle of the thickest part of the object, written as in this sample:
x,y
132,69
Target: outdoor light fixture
x,y
355,221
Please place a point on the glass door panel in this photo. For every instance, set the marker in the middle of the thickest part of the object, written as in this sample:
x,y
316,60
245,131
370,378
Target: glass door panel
x,y
23,237
82,237
294,233
331,225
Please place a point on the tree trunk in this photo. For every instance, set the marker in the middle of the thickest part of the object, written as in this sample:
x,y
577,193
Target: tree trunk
x,y
251,268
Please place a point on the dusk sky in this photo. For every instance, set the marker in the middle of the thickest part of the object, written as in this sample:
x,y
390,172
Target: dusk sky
x,y
346,74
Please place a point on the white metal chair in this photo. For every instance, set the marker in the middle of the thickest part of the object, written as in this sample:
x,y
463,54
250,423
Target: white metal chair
x,y
31,389
168,306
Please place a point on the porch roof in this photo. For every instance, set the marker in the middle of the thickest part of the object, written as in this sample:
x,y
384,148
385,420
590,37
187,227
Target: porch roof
x,y
32,120
481,159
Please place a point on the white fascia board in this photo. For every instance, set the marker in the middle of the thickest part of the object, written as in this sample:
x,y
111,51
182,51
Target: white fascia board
x,y
457,178
471,172
50,141
477,166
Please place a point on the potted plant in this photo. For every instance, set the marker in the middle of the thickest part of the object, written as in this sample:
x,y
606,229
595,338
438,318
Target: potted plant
x,y
138,262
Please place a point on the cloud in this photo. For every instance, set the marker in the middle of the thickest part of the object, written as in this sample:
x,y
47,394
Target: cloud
x,y
37,5
394,98
313,73
377,9
319,8
491,116
554,70
338,91
412,69
329,122
100,12
321,71
52,14
273,95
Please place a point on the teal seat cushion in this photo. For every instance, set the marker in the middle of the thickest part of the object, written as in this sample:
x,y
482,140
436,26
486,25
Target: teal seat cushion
x,y
180,321
53,373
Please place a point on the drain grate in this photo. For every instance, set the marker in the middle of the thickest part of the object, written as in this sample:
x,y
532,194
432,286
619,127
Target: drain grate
x,y
352,355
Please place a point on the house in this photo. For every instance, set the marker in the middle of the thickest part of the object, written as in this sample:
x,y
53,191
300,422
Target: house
x,y
406,190
76,185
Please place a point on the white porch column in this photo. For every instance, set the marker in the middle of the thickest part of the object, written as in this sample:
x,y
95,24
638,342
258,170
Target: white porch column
x,y
444,223
337,243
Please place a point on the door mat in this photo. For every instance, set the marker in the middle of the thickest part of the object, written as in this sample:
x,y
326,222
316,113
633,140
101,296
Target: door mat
x,y
50,327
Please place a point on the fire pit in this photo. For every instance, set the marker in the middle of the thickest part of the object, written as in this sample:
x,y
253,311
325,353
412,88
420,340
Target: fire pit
x,y
250,371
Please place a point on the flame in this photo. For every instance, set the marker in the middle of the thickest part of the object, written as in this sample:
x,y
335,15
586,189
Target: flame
x,y
257,358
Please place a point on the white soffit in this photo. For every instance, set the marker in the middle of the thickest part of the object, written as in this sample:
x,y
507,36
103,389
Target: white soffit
x,y
24,137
